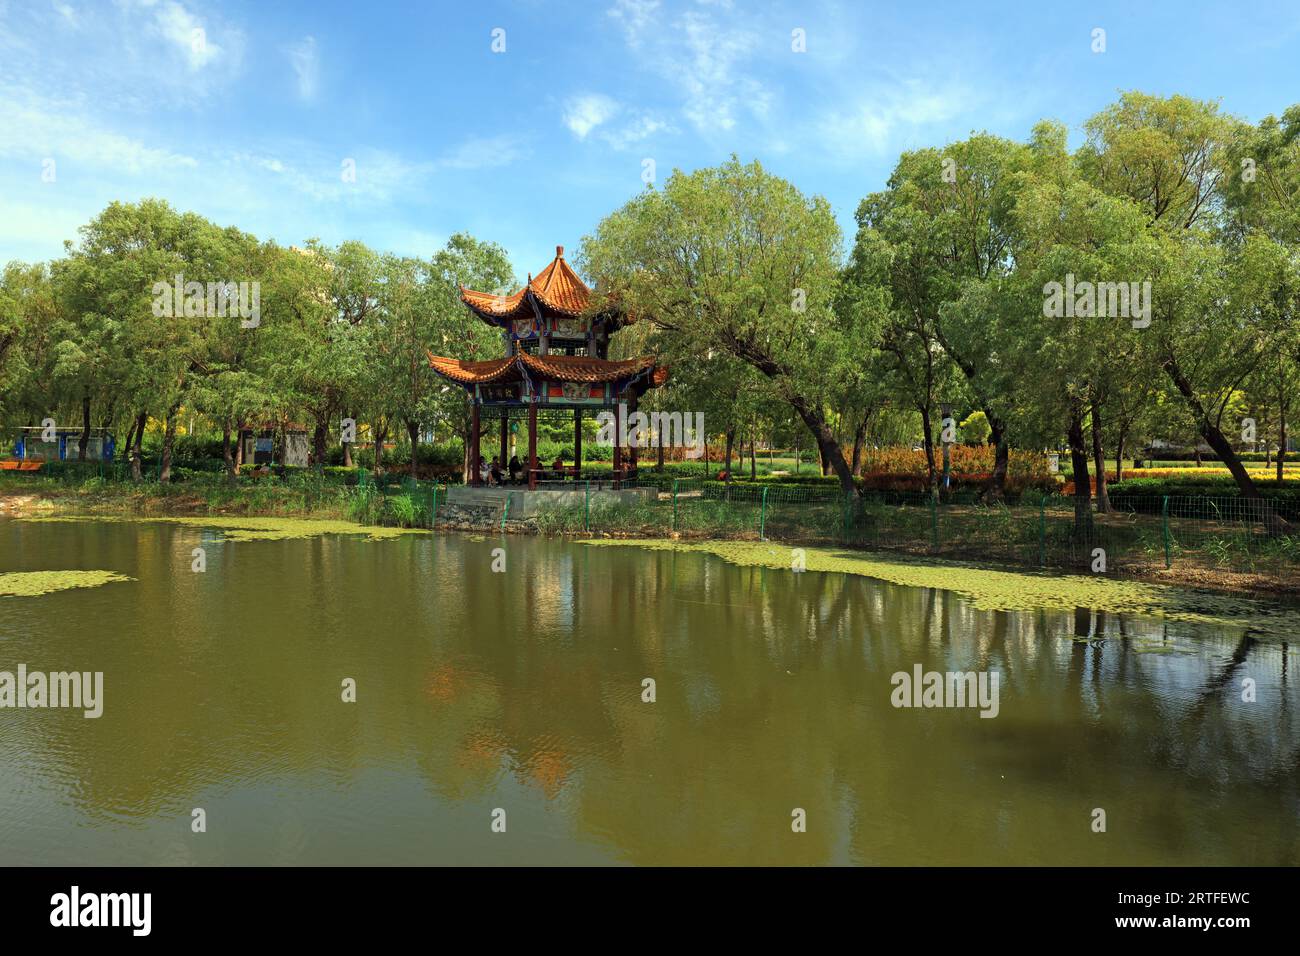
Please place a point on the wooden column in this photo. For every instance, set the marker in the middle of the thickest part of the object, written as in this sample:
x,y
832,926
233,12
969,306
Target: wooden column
x,y
505,441
577,442
473,445
618,448
632,450
532,443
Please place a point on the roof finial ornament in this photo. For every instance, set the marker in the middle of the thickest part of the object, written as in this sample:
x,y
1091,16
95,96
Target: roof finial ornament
x,y
559,252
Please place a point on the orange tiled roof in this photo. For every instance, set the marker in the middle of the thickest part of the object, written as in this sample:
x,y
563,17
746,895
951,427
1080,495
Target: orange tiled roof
x,y
557,368
556,289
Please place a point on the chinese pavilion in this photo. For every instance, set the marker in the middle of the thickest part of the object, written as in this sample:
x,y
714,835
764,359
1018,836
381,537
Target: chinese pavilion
x,y
555,361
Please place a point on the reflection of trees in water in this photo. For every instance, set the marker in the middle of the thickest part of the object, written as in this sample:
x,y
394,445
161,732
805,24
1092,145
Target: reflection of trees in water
x,y
773,693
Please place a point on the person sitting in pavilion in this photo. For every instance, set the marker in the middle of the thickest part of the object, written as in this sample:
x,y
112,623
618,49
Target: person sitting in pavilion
x,y
558,467
515,469
483,471
494,475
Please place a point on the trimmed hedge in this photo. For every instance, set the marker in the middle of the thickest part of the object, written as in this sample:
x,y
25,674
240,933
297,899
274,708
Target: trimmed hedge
x,y
1209,456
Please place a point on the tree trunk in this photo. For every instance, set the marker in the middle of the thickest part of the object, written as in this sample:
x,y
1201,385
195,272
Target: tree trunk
x,y
859,440
380,435
85,428
731,439
347,450
227,453
932,476
1099,459
169,438
1119,455
816,422
996,488
1209,430
320,444
1082,486
1281,425
240,425
126,445
138,453
753,456
413,432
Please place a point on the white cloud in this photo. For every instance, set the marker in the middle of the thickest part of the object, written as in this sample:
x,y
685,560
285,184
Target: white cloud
x,y
705,61
181,28
584,113
875,123
635,17
38,128
484,152
640,128
306,65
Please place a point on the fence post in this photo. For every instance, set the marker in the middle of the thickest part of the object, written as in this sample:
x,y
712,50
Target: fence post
x,y
674,504
586,508
1042,532
433,506
762,517
1164,527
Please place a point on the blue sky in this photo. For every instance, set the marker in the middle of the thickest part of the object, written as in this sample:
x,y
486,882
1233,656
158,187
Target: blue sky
x,y
250,121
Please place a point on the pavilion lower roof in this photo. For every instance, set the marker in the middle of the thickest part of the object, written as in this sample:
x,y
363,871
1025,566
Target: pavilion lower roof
x,y
554,368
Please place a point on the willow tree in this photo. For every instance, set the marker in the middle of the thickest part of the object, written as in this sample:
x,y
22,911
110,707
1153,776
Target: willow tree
x,y
735,259
942,224
1263,200
118,281
1067,231
1172,158
450,328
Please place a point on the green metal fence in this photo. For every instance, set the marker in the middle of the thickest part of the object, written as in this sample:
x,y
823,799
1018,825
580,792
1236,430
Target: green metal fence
x,y
1147,533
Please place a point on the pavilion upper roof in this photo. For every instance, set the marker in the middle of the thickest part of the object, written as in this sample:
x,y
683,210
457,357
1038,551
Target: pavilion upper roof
x,y
556,290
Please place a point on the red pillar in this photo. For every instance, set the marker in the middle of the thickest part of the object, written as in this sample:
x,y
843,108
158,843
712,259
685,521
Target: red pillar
x,y
532,444
473,445
577,442
618,448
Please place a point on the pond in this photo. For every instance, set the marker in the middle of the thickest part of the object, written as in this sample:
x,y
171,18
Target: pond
x,y
506,690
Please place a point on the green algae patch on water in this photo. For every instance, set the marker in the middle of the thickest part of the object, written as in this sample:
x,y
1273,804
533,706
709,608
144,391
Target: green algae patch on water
x,y
991,589
252,528
33,583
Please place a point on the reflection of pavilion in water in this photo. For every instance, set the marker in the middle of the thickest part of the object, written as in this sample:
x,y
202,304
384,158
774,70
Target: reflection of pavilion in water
x,y
772,692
